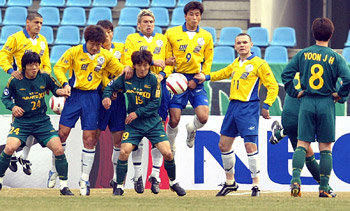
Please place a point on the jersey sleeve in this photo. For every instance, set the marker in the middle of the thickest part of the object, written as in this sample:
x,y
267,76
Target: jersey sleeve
x,y
7,93
52,84
288,75
224,73
269,81
208,57
154,104
114,66
344,74
113,86
6,53
63,65
129,48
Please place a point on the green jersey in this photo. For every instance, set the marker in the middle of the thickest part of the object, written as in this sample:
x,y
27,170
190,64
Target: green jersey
x,y
144,96
319,69
29,94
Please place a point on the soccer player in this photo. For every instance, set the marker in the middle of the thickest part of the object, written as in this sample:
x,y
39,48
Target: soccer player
x,y
29,110
115,116
191,48
156,43
143,92
86,64
248,72
11,54
319,68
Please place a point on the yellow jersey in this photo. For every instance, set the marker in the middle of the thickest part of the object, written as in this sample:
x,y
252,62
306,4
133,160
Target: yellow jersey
x,y
85,70
192,54
156,44
117,49
19,43
247,78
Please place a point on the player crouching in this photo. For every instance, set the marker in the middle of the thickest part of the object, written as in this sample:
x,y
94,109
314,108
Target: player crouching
x,y
29,110
143,92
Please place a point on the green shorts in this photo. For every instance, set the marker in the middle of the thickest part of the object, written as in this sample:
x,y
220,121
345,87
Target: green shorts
x,y
317,119
154,135
42,130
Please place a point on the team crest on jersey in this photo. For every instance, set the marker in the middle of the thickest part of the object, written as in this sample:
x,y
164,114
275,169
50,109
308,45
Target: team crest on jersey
x,y
159,43
100,60
6,92
42,45
84,66
110,83
117,54
200,41
157,50
248,69
143,48
183,48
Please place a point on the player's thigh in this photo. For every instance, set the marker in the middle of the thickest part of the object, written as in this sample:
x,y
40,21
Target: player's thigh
x,y
54,144
90,110
198,97
21,131
157,134
229,127
12,144
132,136
165,102
290,126
179,101
325,128
45,132
247,118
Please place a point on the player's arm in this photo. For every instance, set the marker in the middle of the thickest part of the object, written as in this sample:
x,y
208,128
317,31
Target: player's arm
x,y
129,48
221,74
62,66
45,59
208,57
344,74
6,55
55,87
113,65
288,75
154,104
7,94
116,84
269,81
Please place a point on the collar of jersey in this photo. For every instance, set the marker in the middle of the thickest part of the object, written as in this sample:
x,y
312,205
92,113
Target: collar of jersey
x,y
185,29
27,34
140,33
112,46
250,57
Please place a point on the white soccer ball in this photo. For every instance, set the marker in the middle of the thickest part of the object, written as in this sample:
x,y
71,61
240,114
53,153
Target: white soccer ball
x,y
176,83
57,104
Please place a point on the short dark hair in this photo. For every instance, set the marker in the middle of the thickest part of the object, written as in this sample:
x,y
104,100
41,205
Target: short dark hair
x,y
29,58
192,6
322,29
32,15
94,33
138,57
106,24
245,34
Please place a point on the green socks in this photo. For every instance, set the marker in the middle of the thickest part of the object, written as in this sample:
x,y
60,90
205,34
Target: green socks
x,y
61,166
122,168
298,164
4,162
170,168
313,167
325,169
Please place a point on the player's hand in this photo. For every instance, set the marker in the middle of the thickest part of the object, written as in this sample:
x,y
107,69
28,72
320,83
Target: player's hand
x,y
17,111
114,95
130,117
300,94
106,102
265,113
200,77
159,63
17,74
170,61
336,97
68,88
160,77
129,72
62,92
191,85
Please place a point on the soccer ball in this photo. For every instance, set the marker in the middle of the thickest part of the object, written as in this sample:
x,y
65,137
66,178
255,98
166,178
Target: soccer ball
x,y
57,104
176,83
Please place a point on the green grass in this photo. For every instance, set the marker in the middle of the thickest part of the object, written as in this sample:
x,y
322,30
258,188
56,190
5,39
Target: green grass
x,y
102,199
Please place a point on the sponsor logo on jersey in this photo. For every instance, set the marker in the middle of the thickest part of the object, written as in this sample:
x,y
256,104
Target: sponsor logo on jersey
x,y
143,48
147,86
84,66
157,50
22,89
183,48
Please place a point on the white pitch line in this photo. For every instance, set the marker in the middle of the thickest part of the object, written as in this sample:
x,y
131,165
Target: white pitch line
x,y
248,193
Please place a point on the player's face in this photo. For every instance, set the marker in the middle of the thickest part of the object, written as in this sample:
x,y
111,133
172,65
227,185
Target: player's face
x,y
146,25
243,45
32,70
193,17
142,69
109,37
93,47
34,26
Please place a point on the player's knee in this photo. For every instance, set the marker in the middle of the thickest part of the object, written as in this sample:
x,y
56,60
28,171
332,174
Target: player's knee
x,y
124,154
168,155
63,135
224,147
9,149
174,122
203,119
58,151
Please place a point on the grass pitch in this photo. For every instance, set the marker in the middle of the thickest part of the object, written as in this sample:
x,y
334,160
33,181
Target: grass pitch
x,y
102,199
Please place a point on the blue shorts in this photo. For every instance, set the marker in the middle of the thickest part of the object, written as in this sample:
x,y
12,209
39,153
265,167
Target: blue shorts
x,y
115,116
165,102
197,97
83,104
241,119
